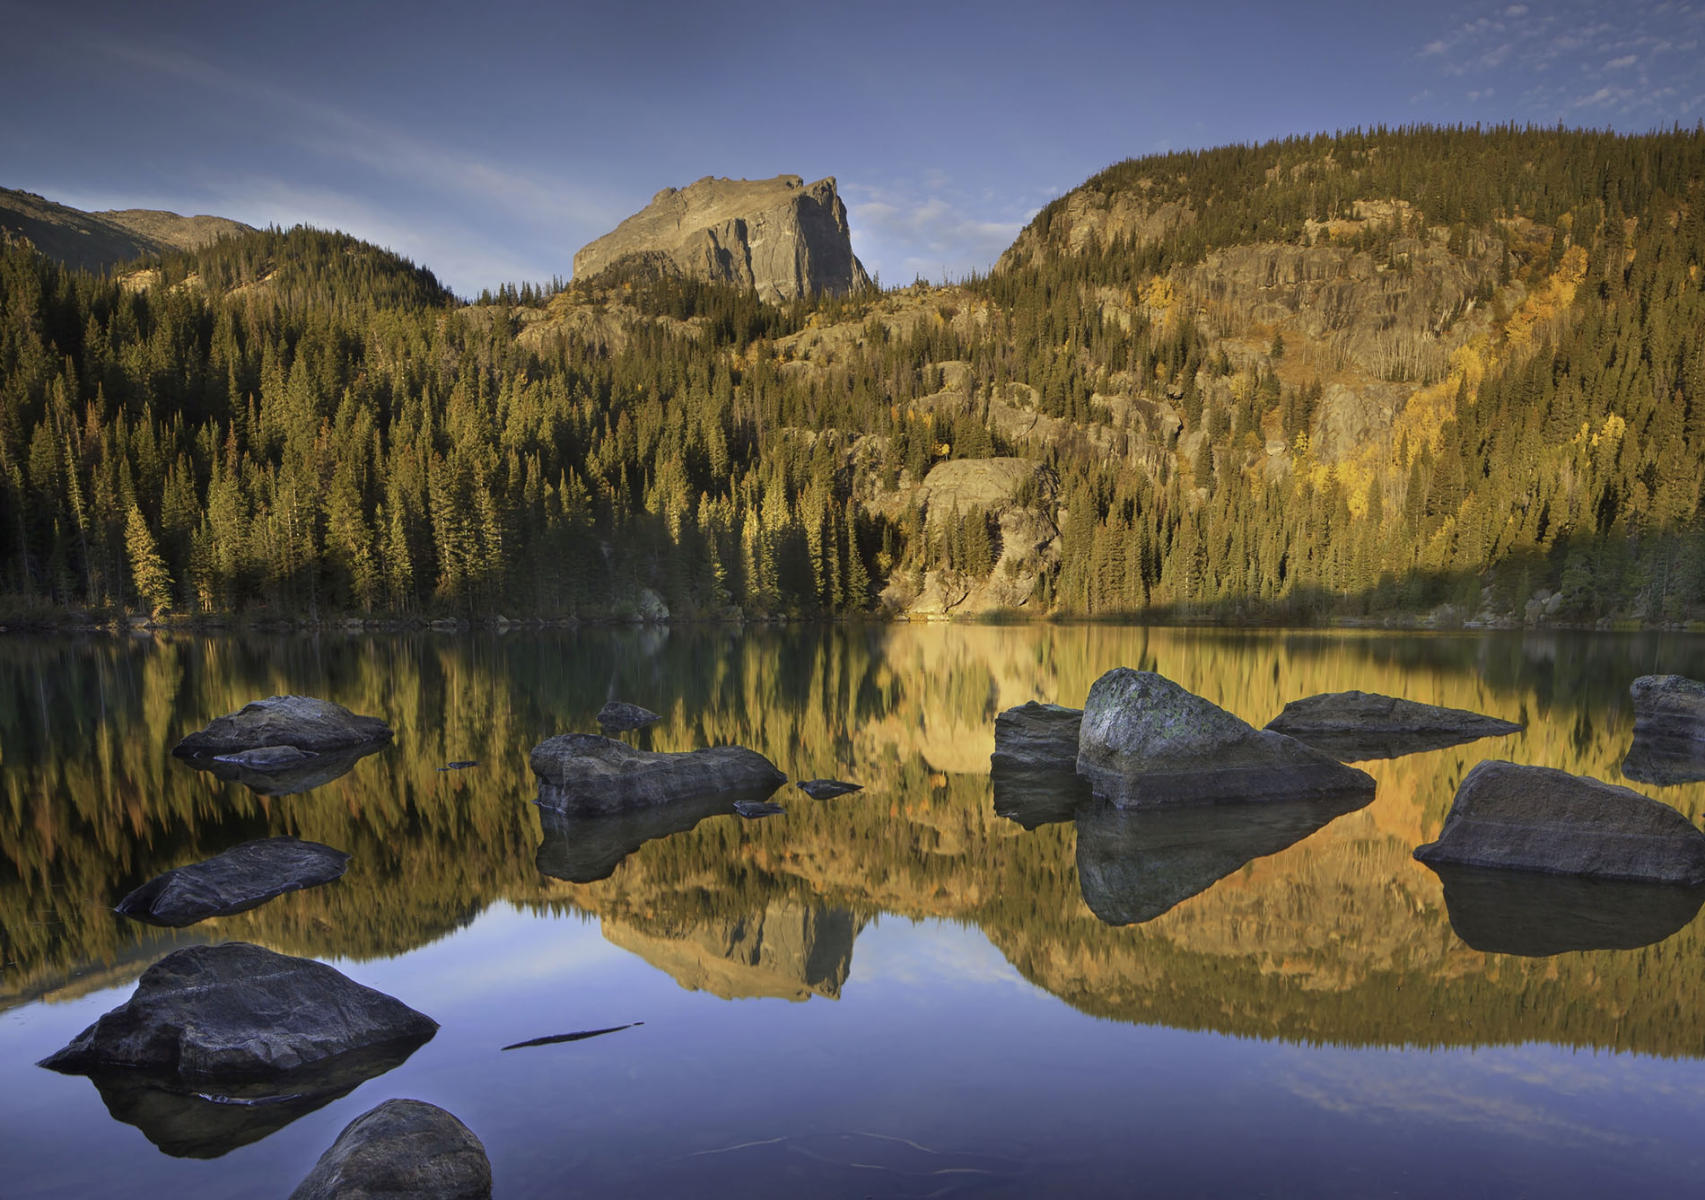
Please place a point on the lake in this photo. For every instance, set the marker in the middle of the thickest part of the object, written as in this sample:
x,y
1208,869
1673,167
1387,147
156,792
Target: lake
x,y
927,988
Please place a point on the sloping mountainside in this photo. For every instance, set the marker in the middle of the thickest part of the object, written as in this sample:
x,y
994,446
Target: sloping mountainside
x,y
781,237
99,241
1435,375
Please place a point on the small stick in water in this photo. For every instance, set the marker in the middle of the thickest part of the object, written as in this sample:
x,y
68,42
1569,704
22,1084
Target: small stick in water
x,y
572,1037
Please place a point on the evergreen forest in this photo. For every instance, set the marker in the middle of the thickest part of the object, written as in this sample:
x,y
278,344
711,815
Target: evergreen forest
x,y
1383,373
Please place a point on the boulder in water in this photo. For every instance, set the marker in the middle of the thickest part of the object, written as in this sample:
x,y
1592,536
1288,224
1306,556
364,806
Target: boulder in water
x,y
618,716
1037,736
1669,730
1355,726
302,723
403,1149
235,881
236,1012
1146,741
827,789
585,773
1542,819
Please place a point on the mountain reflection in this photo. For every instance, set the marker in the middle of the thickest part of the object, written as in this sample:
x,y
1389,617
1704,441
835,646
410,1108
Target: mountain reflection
x,y
1338,936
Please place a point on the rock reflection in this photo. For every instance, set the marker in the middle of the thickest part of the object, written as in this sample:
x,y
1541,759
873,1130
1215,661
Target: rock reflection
x,y
315,772
1035,796
1135,864
1536,915
585,849
1659,761
786,950
187,1123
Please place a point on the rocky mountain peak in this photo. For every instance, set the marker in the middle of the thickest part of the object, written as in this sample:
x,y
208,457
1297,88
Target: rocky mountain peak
x,y
781,237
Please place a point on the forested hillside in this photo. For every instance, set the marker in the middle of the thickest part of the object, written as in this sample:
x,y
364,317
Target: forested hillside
x,y
1367,374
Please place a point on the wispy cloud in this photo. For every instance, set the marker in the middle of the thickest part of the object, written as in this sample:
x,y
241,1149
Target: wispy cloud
x,y
929,227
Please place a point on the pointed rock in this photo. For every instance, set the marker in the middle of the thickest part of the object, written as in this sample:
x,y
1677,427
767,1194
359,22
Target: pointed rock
x,y
1147,741
1542,819
1355,726
235,881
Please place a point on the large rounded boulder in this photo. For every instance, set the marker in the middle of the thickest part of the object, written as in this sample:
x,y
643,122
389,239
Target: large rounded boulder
x,y
401,1150
1146,741
586,774
235,881
262,734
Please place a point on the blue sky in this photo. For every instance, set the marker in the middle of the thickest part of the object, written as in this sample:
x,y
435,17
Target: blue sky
x,y
491,141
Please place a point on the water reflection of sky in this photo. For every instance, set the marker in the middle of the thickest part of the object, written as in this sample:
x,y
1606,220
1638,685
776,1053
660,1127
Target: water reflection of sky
x,y
939,1071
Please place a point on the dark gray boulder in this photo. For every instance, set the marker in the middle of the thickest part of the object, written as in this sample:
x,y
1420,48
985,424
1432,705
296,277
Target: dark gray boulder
x,y
1355,726
236,1012
1133,864
1037,736
618,716
1526,913
752,809
585,773
1146,741
235,881
1542,819
257,735
1669,730
406,1149
828,789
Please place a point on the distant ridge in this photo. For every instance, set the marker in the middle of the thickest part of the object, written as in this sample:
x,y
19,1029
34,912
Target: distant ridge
x,y
99,241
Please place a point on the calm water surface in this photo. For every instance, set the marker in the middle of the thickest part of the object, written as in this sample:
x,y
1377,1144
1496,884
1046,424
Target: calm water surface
x,y
929,988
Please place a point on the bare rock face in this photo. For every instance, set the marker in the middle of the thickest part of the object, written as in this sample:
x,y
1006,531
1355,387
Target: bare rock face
x,y
1669,730
1037,736
1146,741
586,774
781,237
234,1012
262,734
241,878
402,1149
1542,819
1354,726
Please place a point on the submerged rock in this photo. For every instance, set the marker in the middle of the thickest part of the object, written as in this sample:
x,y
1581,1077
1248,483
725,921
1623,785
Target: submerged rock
x,y
302,723
1036,735
751,809
406,1149
236,1012
284,771
584,773
618,716
1669,730
1135,864
206,1120
827,789
1523,912
235,881
1146,741
1354,726
1542,819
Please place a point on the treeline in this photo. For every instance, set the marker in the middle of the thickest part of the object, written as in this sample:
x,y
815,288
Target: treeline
x,y
295,423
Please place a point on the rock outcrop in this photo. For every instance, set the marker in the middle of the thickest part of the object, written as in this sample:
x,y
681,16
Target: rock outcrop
x,y
781,237
235,1012
1669,730
1037,736
585,774
235,881
1146,741
406,1149
281,732
1543,819
1354,726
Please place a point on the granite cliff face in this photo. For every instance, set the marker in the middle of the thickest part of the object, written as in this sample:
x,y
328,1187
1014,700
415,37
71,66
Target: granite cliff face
x,y
782,237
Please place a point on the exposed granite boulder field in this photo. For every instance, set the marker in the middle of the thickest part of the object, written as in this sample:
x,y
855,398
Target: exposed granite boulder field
x,y
235,881
1037,736
1542,819
781,237
1669,730
618,716
1355,726
1147,741
406,1149
235,1012
584,773
281,732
